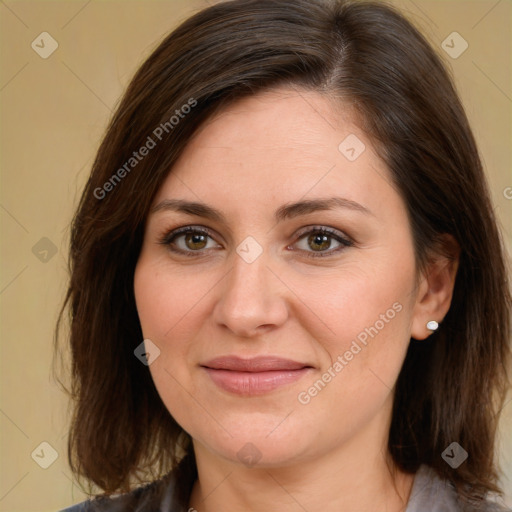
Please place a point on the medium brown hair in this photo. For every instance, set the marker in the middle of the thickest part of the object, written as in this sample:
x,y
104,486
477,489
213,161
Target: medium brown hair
x,y
451,387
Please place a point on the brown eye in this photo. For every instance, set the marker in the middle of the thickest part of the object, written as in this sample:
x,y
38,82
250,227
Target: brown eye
x,y
319,242
189,241
322,241
195,241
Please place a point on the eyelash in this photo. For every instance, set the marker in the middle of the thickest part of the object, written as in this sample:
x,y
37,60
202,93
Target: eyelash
x,y
168,238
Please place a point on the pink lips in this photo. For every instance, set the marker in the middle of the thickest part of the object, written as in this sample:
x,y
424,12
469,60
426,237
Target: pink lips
x,y
254,376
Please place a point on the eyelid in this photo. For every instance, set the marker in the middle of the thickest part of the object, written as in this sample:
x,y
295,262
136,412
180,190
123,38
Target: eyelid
x,y
168,234
321,228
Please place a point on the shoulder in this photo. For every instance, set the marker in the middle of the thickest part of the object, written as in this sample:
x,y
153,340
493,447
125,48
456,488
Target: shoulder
x,y
131,501
429,492
156,496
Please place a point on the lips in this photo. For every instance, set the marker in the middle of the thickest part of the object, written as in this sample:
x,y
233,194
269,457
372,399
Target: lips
x,y
256,364
255,376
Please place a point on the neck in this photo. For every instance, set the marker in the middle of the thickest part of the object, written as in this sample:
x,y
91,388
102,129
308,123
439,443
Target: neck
x,y
354,477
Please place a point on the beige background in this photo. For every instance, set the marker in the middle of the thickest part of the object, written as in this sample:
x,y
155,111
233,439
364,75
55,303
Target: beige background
x,y
54,112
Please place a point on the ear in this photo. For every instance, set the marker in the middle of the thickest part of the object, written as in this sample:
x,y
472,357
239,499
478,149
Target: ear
x,y
435,288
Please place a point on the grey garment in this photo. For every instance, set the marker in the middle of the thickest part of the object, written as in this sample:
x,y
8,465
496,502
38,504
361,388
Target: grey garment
x,y
150,498
429,494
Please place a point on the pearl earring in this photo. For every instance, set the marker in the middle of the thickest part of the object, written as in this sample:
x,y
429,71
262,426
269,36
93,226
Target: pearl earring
x,y
432,325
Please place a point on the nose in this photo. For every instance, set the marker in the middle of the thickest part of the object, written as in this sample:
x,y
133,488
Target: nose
x,y
252,300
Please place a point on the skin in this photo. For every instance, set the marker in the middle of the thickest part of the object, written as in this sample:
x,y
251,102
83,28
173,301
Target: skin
x,y
329,454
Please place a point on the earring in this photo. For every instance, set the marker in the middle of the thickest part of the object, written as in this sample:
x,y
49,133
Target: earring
x,y
432,325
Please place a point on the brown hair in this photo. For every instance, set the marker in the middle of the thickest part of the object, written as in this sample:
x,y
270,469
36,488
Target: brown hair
x,y
451,387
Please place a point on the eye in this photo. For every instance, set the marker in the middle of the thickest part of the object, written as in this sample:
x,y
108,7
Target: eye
x,y
321,241
189,240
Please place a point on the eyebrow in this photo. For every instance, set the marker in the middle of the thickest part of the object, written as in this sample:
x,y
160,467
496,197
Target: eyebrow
x,y
189,207
287,211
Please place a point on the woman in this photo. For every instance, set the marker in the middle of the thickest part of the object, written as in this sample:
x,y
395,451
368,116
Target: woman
x,y
287,289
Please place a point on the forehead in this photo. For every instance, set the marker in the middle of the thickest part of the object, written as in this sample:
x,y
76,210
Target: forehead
x,y
266,125
280,144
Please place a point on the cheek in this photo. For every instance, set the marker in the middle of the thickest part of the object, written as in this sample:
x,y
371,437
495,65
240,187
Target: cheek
x,y
165,298
356,385
172,308
368,302
365,321
160,309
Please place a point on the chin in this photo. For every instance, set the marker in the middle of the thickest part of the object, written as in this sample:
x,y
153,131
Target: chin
x,y
255,444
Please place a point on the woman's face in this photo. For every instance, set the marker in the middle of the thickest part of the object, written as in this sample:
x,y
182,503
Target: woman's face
x,y
283,311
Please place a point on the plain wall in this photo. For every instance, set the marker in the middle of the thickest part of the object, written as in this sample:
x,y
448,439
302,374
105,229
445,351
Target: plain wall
x,y
53,114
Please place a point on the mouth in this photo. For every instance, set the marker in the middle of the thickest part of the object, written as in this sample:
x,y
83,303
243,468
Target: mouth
x,y
255,376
